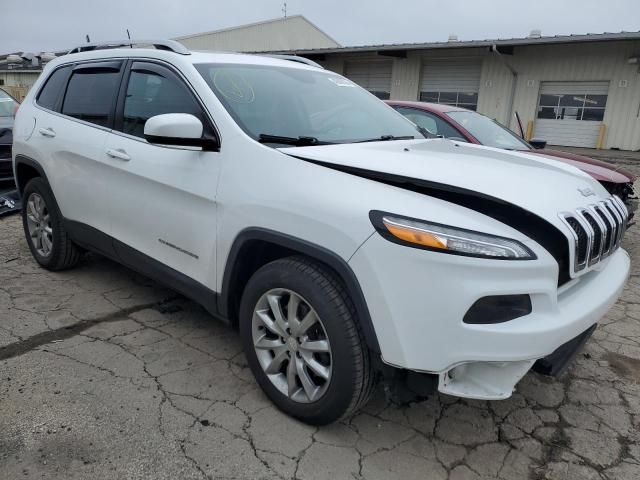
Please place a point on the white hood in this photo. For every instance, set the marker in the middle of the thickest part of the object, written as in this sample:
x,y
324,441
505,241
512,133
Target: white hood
x,y
540,185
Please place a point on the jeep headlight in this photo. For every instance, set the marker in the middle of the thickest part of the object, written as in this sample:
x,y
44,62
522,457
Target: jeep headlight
x,y
447,239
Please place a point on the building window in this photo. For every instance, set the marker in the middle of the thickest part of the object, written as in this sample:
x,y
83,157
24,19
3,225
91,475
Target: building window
x,y
572,107
468,100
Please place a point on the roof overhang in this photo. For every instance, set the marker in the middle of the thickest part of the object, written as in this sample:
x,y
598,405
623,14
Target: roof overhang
x,y
20,70
400,49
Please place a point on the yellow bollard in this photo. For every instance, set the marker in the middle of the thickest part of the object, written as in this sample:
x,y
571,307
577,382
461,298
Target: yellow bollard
x,y
529,130
603,129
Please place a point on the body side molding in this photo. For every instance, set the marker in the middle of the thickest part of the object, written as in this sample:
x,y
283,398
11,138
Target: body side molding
x,y
99,242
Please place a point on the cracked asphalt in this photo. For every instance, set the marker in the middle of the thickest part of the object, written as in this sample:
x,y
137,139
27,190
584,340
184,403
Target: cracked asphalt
x,y
105,374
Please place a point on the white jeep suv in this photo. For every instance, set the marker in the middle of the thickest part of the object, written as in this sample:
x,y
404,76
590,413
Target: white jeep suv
x,y
298,207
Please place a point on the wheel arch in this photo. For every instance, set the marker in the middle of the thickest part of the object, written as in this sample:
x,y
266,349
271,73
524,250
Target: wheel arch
x,y
255,247
27,168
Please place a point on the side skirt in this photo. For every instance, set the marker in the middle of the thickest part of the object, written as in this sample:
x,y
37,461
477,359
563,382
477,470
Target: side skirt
x,y
94,240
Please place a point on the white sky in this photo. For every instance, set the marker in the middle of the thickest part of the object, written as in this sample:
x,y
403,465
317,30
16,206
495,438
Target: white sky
x,y
45,25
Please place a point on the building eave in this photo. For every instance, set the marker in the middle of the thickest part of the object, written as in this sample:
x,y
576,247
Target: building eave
x,y
20,70
510,42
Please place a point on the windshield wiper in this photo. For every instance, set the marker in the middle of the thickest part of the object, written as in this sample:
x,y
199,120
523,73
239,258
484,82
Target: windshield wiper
x,y
295,141
426,133
386,138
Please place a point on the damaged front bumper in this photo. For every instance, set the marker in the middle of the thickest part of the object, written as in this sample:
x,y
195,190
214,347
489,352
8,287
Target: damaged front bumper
x,y
418,301
496,380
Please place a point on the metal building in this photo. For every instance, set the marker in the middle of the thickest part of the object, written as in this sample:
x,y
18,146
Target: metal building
x,y
18,74
289,33
19,71
575,90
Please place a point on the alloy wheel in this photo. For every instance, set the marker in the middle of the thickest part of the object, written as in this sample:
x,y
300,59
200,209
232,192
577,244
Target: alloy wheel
x,y
39,225
292,345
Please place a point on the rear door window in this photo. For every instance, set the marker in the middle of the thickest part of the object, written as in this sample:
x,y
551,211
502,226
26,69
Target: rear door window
x,y
50,97
92,91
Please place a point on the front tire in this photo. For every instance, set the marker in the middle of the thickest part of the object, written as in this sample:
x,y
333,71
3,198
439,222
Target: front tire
x,y
46,236
303,343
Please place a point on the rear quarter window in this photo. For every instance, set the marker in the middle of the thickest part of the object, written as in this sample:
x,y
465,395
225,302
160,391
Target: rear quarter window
x,y
51,94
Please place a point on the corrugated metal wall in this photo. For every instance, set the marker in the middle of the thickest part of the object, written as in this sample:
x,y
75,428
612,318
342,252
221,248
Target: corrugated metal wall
x,y
496,86
439,74
405,78
18,84
18,79
374,75
589,62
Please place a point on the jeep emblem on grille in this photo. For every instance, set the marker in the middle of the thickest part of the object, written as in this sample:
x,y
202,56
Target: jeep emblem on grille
x,y
586,191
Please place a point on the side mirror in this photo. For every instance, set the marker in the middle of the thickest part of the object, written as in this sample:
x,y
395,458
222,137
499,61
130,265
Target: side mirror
x,y
537,143
178,129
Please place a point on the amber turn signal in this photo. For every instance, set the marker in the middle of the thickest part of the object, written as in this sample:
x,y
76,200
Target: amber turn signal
x,y
414,235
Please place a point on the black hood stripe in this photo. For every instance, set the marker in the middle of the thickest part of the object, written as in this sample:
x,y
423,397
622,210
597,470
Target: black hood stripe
x,y
530,224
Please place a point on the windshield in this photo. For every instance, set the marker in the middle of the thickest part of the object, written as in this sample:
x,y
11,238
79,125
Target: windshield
x,y
268,101
488,132
7,105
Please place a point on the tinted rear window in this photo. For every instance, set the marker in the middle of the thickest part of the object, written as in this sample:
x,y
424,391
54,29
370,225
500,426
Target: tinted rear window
x,y
90,95
53,89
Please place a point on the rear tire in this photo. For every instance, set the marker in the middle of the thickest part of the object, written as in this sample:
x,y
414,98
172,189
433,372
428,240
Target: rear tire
x,y
46,236
330,363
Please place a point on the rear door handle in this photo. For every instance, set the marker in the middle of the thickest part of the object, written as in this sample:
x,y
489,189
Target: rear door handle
x,y
47,132
120,154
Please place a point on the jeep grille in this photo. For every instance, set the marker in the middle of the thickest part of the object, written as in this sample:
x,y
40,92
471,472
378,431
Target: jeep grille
x,y
597,231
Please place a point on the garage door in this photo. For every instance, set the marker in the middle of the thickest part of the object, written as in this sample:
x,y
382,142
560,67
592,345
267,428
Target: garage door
x,y
451,81
570,113
373,75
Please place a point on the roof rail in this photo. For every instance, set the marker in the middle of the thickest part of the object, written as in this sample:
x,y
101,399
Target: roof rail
x,y
169,45
293,58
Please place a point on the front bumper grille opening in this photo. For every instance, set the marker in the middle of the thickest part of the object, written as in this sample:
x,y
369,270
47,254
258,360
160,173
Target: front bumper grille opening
x,y
619,222
596,245
610,230
582,240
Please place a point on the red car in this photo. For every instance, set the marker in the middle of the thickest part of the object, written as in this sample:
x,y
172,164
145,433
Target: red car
x,y
468,126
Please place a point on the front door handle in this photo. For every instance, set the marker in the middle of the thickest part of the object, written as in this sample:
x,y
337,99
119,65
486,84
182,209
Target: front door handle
x,y
120,154
47,132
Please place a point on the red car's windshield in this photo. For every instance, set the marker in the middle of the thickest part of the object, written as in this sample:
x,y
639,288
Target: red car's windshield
x,y
488,132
